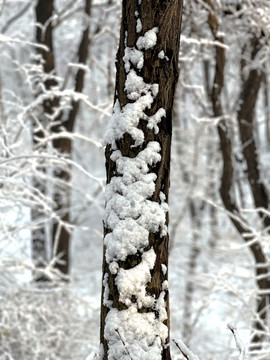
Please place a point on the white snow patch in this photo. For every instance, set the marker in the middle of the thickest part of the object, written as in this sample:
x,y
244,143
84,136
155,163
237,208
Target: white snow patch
x,y
164,268
113,267
160,306
133,282
135,86
106,301
161,54
143,334
93,356
149,39
165,285
129,213
138,26
155,119
126,119
127,239
134,57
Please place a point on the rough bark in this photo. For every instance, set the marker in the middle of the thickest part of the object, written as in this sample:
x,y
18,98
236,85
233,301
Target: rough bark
x,y
164,72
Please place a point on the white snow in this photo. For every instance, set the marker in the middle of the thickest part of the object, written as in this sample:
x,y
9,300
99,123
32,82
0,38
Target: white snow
x,y
185,350
142,333
161,54
149,40
93,356
133,282
126,119
155,119
133,56
106,300
129,213
164,268
139,26
165,285
135,86
113,267
160,306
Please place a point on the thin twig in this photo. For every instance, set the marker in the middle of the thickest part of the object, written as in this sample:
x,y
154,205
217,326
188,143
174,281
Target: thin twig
x,y
122,341
240,346
185,351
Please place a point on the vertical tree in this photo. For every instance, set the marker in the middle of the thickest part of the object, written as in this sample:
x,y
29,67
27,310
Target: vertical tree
x,y
135,303
44,35
56,120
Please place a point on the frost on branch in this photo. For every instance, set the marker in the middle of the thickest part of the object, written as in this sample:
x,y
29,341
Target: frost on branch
x,y
238,342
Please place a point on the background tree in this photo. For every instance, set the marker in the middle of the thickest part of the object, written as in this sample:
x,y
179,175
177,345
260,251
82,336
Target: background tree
x,y
57,121
238,140
135,302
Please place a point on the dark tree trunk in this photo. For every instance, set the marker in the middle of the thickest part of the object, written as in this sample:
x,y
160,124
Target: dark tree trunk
x,y
61,193
40,246
245,116
154,29
60,234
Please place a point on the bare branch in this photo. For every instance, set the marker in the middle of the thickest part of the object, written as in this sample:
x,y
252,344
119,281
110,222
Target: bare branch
x,y
240,346
185,351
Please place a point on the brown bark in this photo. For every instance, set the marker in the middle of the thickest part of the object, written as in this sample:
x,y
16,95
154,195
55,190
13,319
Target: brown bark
x,y
245,116
164,72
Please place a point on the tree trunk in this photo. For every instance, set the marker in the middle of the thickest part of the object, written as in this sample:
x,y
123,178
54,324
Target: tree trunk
x,y
61,193
135,302
44,12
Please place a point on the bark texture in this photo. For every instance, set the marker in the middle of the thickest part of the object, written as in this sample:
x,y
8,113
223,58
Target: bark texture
x,y
166,16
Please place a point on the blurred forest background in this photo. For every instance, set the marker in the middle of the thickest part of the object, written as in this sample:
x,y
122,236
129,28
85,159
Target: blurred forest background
x,y
57,76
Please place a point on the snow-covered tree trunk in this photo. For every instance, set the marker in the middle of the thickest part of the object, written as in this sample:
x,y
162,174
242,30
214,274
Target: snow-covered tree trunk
x,y
135,304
